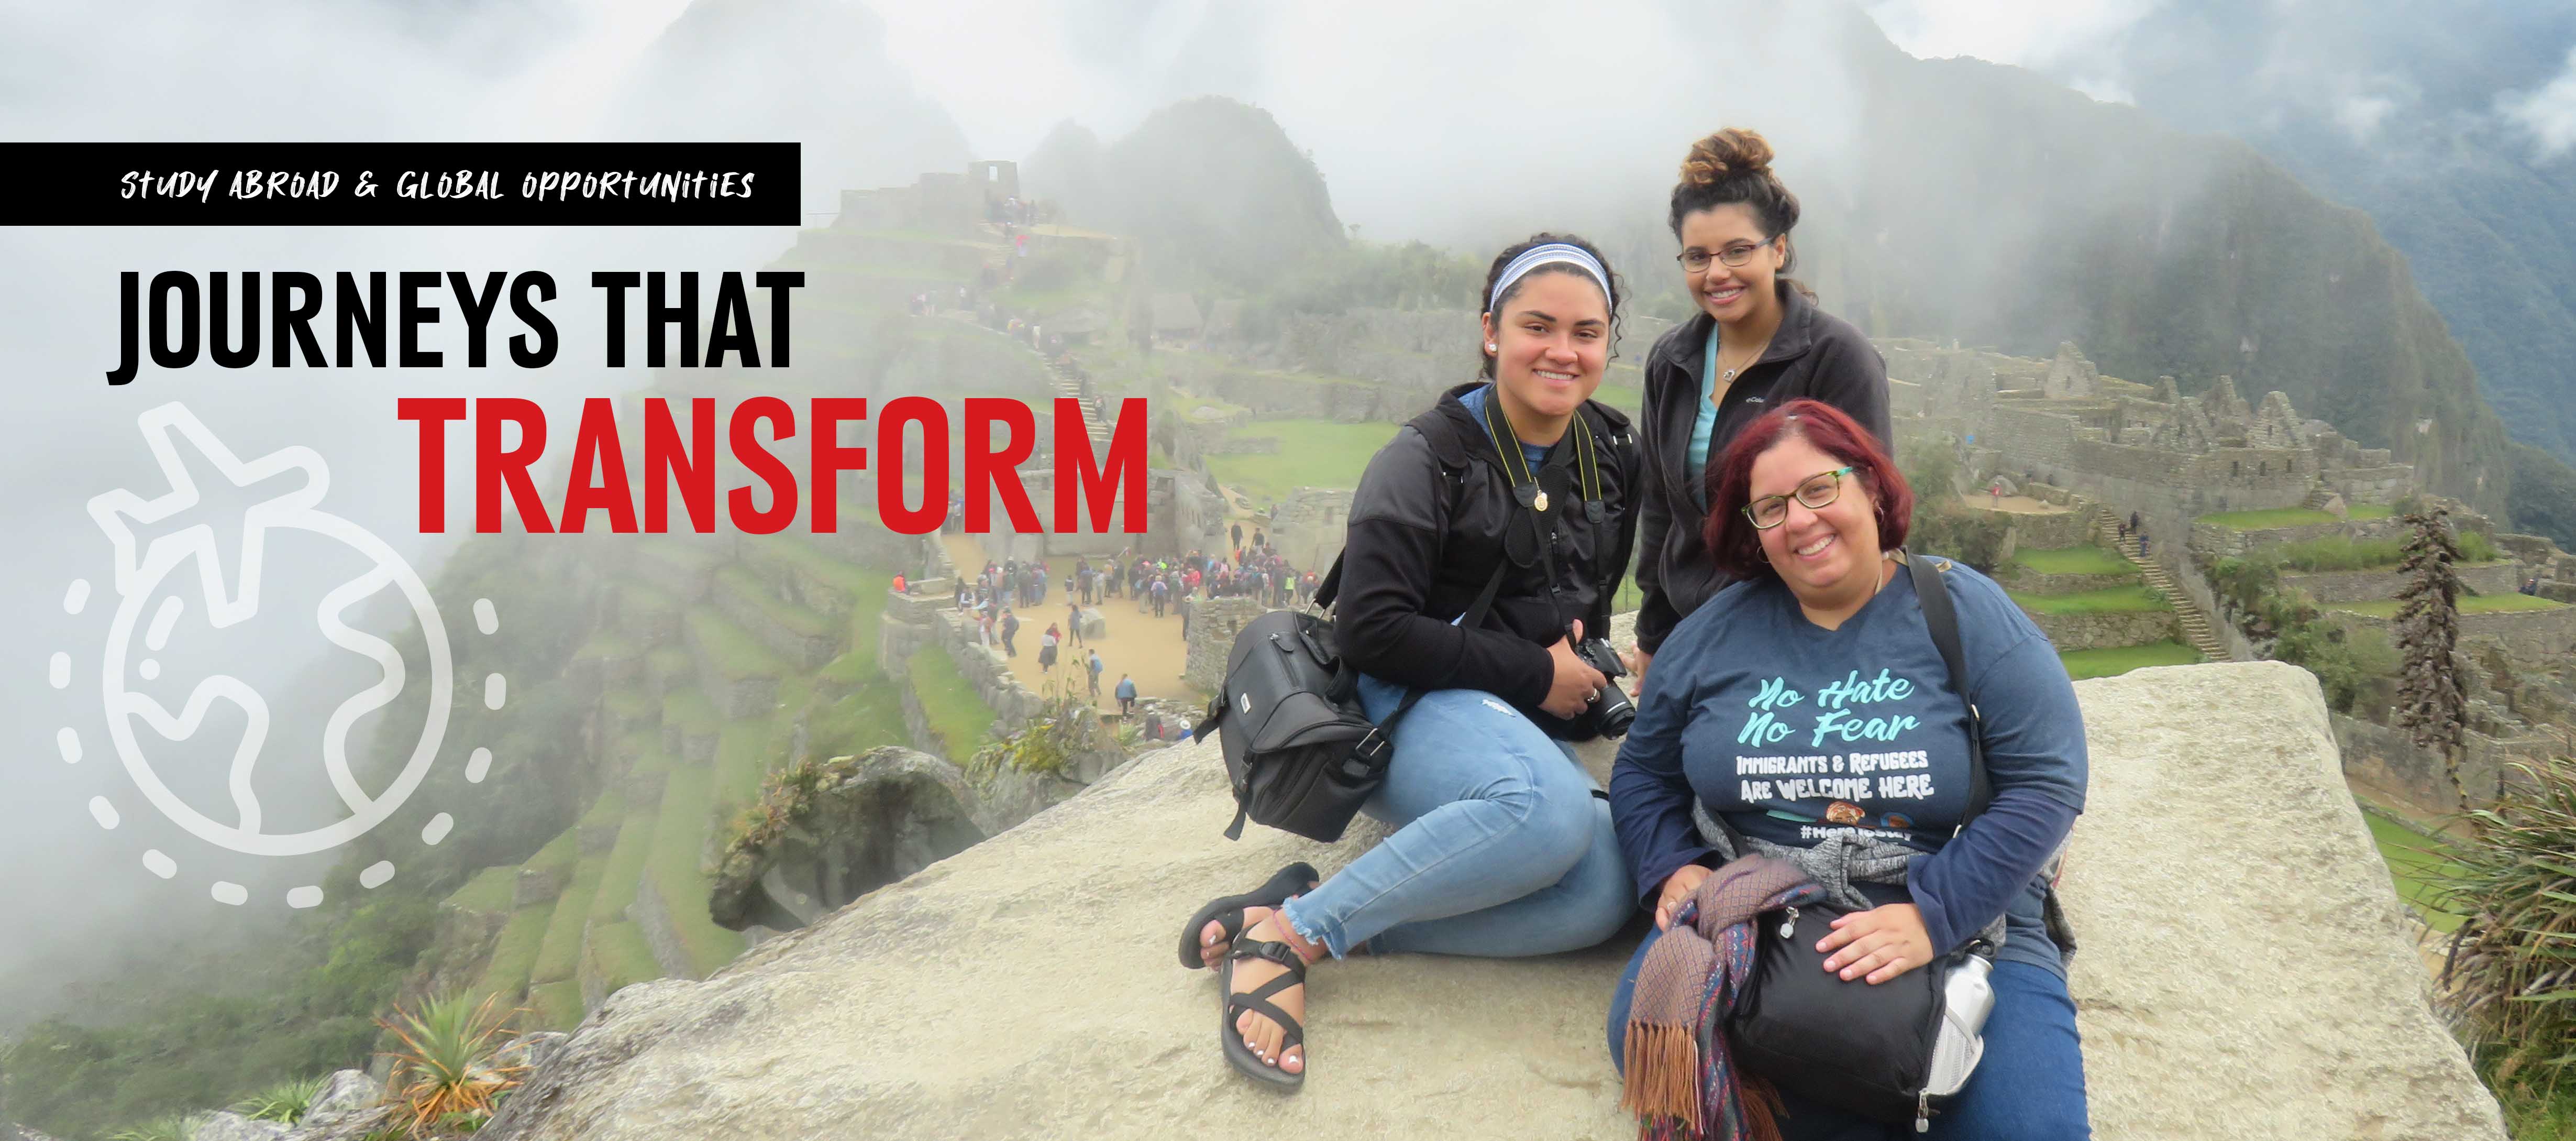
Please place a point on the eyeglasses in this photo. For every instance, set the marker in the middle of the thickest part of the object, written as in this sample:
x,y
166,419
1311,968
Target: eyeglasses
x,y
1817,491
1696,259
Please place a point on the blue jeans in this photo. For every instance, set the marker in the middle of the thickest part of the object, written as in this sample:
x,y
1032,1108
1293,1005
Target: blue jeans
x,y
1503,851
2028,1087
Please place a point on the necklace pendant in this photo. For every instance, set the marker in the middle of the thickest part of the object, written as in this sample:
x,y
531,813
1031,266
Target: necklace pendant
x,y
1540,502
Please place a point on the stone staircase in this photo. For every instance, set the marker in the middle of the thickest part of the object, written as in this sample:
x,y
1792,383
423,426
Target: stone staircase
x,y
2195,624
1070,387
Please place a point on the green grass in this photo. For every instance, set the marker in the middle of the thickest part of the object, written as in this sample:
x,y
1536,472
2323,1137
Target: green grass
x,y
607,644
514,954
2117,660
690,711
619,954
742,756
560,952
624,866
863,585
667,666
797,619
955,711
2412,858
861,721
643,599
2266,520
2074,560
2469,604
2369,511
678,833
2107,600
558,857
489,891
555,1005
630,704
1312,453
737,654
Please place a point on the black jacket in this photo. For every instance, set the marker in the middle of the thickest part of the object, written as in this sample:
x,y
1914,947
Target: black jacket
x,y
1814,354
1433,516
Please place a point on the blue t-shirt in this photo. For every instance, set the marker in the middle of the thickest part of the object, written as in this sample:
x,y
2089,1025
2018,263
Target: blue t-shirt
x,y
1793,732
1705,422
1535,454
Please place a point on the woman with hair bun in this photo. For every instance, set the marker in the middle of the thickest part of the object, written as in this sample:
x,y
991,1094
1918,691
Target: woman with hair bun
x,y
1757,343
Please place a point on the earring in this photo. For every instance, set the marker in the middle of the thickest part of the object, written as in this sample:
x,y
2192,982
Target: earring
x,y
1762,555
1489,346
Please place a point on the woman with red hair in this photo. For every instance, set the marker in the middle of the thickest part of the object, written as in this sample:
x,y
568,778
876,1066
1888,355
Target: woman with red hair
x,y
1806,710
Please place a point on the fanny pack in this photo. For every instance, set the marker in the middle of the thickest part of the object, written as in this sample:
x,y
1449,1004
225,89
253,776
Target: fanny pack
x,y
1876,1051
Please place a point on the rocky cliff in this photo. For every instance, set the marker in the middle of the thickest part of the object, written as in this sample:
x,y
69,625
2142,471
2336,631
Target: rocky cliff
x,y
2245,974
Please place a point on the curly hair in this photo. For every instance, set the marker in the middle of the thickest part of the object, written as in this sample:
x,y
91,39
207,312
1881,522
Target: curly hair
x,y
1732,166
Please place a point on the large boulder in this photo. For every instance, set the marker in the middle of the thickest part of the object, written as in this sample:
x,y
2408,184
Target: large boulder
x,y
2245,974
829,831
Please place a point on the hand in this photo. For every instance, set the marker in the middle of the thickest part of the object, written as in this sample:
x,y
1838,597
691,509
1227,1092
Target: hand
x,y
1884,941
1576,681
1636,660
1677,888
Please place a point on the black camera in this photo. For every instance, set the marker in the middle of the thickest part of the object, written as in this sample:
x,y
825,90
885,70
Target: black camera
x,y
1610,712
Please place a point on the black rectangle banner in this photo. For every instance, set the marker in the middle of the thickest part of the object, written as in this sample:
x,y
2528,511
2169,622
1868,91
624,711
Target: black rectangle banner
x,y
405,184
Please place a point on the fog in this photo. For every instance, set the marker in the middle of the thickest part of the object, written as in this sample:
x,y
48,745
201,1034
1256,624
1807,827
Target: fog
x,y
1558,117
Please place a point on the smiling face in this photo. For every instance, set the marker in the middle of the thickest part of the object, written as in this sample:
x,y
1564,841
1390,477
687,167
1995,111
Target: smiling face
x,y
1551,343
1731,293
1825,554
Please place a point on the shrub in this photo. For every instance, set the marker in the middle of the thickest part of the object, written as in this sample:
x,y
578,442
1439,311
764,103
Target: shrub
x,y
286,1102
2512,969
445,1064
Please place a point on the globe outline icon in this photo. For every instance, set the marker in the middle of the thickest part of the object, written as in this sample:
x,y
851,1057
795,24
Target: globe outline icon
x,y
124,707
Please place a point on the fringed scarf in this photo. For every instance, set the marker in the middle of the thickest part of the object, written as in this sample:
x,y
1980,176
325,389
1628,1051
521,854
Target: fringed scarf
x,y
1681,1083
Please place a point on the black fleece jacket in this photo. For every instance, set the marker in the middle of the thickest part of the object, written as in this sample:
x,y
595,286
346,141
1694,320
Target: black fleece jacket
x,y
1434,515
1814,354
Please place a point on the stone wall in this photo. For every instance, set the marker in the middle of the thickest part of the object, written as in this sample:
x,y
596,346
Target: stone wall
x,y
2501,577
2030,581
2103,630
2388,765
1310,526
1212,629
2536,639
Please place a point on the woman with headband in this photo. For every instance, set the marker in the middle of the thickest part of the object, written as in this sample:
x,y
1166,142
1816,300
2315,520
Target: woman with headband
x,y
1503,847
1757,343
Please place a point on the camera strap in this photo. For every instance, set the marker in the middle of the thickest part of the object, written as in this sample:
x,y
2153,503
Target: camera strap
x,y
1527,492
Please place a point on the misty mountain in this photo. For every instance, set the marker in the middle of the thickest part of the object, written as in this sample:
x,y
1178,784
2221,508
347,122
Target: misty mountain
x,y
1209,182
1991,204
813,71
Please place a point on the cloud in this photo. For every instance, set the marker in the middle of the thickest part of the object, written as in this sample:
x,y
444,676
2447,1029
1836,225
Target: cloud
x,y
2361,115
2075,36
2548,112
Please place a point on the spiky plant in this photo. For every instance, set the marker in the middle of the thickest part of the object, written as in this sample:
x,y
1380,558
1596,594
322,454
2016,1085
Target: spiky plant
x,y
170,1127
445,1064
2511,975
286,1102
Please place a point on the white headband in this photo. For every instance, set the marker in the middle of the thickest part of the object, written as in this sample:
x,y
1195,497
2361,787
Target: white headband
x,y
1537,256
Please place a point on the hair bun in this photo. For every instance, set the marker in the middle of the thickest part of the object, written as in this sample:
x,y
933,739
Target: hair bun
x,y
1729,152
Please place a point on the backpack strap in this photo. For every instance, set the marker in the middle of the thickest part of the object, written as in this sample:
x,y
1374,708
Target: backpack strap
x,y
1941,616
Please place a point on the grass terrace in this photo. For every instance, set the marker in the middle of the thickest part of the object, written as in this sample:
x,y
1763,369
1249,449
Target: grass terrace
x,y
742,758
2267,520
2117,660
623,868
2337,553
679,832
2370,511
488,892
2413,859
748,587
619,954
2085,559
514,954
956,712
863,720
1312,453
690,711
737,654
2109,600
2469,604
555,1005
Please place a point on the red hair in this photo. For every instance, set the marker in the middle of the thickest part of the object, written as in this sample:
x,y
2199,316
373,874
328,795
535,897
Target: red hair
x,y
1733,540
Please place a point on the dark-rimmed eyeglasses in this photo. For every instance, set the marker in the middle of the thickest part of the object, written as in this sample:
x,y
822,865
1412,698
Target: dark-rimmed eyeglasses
x,y
1817,491
1735,254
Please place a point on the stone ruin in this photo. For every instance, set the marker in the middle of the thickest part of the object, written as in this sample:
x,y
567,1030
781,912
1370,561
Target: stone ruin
x,y
2071,376
1309,527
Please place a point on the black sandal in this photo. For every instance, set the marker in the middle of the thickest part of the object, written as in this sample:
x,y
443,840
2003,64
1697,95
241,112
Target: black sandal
x,y
1286,882
1230,1004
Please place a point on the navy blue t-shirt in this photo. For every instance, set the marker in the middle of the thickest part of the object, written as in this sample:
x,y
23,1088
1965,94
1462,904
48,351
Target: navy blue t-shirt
x,y
1792,732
